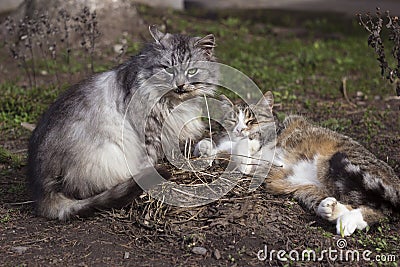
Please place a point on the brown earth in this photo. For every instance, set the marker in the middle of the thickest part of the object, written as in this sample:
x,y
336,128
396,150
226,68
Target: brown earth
x,y
232,229
145,234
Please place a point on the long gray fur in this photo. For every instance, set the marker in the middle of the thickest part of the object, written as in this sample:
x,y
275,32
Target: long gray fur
x,y
79,160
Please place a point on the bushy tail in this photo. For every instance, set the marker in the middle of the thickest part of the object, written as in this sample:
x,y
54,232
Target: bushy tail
x,y
367,188
59,206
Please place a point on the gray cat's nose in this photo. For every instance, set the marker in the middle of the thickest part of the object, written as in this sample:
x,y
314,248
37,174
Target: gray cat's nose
x,y
180,88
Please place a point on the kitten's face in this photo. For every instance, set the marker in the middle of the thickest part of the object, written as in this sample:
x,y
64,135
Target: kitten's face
x,y
180,64
241,121
245,121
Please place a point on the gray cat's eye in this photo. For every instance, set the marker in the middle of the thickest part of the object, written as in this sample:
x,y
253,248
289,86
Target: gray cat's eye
x,y
192,71
169,70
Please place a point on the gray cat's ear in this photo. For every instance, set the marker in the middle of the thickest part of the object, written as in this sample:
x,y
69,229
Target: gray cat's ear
x,y
156,33
267,100
207,43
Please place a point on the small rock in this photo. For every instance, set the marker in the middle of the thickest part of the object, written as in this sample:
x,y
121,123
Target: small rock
x,y
118,48
199,250
126,255
217,254
361,103
19,249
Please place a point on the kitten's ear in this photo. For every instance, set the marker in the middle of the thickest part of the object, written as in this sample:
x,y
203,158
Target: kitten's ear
x,y
267,100
227,106
156,33
207,44
226,101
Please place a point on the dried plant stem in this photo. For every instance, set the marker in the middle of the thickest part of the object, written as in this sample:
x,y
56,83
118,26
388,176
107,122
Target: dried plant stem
x,y
374,28
41,38
209,122
20,203
344,92
92,43
26,69
33,68
44,55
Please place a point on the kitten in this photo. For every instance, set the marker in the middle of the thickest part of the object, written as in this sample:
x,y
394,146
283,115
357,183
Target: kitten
x,y
328,172
94,138
245,136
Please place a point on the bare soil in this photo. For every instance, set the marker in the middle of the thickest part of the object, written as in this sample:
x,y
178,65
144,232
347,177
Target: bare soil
x,y
232,230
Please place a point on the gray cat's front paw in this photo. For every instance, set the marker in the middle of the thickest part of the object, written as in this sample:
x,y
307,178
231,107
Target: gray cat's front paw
x,y
204,148
330,209
349,222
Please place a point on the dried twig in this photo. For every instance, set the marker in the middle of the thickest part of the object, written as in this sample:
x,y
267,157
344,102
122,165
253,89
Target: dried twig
x,y
41,39
344,92
28,126
20,203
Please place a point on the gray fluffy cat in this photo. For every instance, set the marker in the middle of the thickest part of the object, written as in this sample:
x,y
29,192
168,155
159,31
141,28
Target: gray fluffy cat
x,y
94,141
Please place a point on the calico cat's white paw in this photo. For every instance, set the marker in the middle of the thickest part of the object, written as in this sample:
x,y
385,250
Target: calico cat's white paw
x,y
246,156
204,148
330,209
246,168
254,146
349,222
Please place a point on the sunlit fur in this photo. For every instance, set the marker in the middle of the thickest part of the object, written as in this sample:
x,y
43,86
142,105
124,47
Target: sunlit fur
x,y
250,129
90,142
328,172
319,164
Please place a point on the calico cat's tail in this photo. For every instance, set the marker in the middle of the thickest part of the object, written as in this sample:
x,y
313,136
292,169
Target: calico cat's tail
x,y
363,187
59,206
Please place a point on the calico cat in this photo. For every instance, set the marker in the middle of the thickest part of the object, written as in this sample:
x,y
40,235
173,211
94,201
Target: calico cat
x,y
247,141
328,172
93,144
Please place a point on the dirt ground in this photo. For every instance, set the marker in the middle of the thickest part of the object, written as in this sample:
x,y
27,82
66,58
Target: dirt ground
x,y
227,232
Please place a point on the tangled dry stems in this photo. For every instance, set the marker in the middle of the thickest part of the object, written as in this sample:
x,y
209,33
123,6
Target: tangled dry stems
x,y
374,26
153,214
44,40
